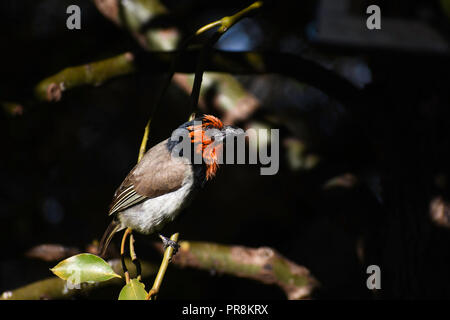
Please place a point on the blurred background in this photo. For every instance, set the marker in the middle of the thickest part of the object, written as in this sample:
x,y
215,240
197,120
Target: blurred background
x,y
364,159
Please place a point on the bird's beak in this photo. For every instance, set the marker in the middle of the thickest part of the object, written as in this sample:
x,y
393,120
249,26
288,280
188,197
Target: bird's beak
x,y
231,131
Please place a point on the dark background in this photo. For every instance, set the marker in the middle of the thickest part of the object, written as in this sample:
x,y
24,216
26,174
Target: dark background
x,y
61,162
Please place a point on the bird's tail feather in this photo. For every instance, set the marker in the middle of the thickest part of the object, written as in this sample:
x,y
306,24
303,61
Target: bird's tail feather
x,y
113,227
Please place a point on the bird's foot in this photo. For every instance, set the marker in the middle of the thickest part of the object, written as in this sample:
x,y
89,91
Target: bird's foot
x,y
170,243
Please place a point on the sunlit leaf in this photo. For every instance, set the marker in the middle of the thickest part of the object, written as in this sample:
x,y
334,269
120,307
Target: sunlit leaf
x,y
134,290
84,267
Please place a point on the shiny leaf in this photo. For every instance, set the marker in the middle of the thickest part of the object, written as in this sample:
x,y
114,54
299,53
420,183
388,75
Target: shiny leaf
x,y
134,290
84,267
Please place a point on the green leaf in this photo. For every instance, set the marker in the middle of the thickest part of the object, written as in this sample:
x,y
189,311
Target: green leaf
x,y
134,290
84,267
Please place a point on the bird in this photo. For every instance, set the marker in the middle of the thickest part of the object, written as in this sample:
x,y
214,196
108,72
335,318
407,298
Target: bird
x,y
162,184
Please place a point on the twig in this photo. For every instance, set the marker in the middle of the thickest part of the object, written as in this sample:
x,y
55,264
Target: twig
x,y
168,253
208,27
227,22
143,147
203,59
263,264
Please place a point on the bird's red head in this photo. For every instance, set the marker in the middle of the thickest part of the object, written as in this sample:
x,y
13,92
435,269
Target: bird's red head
x,y
208,135
204,138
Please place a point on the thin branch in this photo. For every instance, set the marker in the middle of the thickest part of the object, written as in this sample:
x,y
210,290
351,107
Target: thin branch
x,y
209,26
143,146
168,254
227,22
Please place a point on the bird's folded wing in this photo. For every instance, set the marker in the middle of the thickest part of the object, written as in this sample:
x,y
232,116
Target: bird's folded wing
x,y
124,199
156,174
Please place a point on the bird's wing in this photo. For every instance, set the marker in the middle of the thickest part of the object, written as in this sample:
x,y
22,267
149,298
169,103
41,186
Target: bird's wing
x,y
124,198
156,174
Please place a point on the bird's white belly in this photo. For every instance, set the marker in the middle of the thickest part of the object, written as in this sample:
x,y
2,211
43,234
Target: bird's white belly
x,y
152,214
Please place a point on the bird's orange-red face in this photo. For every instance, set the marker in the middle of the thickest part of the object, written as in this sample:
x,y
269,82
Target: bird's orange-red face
x,y
202,136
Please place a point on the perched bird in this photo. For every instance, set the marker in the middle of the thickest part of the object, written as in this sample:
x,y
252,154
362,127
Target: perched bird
x,y
162,183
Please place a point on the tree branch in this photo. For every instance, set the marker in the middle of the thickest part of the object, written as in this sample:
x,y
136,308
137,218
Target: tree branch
x,y
247,63
95,73
263,264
